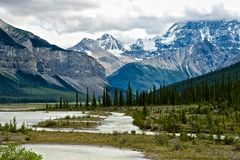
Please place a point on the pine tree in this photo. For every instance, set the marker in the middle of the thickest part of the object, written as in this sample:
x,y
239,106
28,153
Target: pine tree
x,y
137,98
76,105
108,98
14,125
145,112
104,97
94,101
154,95
87,99
99,101
115,99
121,99
61,103
129,95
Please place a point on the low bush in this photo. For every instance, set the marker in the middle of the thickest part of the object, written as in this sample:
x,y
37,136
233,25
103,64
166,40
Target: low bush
x,y
161,139
228,140
15,152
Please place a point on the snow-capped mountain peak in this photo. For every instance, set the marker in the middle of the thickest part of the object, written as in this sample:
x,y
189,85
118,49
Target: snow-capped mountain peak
x,y
138,45
182,34
111,44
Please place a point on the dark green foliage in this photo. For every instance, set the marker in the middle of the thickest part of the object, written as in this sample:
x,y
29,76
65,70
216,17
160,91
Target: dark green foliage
x,y
94,101
12,127
129,95
106,102
15,152
87,99
145,112
121,99
77,98
228,140
161,138
61,103
115,99
25,87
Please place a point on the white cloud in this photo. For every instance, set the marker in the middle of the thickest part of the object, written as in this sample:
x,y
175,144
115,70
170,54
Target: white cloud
x,y
65,22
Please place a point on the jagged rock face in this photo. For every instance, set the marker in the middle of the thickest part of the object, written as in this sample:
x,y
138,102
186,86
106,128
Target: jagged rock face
x,y
110,43
106,50
31,54
138,45
16,59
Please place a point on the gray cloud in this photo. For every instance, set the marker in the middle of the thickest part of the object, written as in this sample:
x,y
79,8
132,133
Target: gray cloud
x,y
54,15
217,12
37,7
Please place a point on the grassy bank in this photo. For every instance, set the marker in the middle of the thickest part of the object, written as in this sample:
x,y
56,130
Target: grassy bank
x,y
154,147
198,119
151,146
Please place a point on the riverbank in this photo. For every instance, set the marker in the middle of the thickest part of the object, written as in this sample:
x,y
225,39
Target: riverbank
x,y
149,145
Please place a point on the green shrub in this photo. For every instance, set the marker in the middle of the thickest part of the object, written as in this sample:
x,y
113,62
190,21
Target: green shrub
x,y
15,152
133,131
161,138
184,137
47,123
68,117
228,140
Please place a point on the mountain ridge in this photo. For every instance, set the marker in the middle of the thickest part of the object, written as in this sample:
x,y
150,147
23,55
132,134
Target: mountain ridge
x,y
40,58
195,48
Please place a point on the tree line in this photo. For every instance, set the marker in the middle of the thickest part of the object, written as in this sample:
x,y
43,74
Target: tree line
x,y
225,89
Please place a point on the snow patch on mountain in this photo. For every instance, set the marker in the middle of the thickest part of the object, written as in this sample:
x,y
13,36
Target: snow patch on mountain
x,y
111,44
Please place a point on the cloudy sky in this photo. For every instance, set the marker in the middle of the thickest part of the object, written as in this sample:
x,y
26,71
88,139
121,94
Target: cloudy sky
x,y
66,22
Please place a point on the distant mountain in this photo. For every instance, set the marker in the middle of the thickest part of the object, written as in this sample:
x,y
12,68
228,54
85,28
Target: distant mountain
x,y
144,76
107,50
191,48
62,70
111,44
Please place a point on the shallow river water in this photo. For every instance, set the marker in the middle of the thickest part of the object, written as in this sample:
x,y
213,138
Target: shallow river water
x,y
84,152
114,122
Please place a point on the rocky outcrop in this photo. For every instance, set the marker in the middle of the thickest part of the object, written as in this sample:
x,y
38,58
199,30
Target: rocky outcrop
x,y
28,53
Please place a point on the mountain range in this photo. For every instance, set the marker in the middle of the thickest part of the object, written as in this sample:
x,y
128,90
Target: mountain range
x,y
33,69
187,49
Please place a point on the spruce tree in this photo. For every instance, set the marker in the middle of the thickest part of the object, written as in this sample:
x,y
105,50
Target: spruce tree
x,y
137,98
154,95
121,99
94,101
87,99
61,103
99,101
129,95
76,105
104,97
115,99
108,98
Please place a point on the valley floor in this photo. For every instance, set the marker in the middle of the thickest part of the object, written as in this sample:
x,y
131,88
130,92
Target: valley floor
x,y
174,149
155,147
